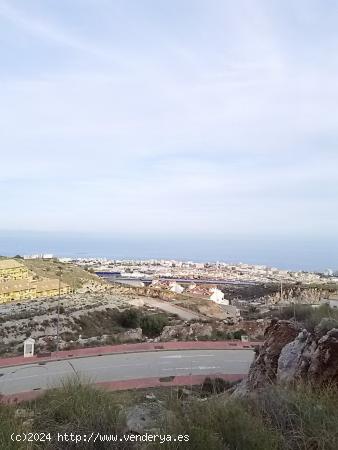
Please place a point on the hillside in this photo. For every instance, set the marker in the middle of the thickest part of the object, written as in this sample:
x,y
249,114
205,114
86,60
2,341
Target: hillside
x,y
289,403
71,274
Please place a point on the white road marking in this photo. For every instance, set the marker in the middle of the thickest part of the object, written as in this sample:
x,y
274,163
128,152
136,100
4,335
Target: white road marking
x,y
186,356
112,366
190,368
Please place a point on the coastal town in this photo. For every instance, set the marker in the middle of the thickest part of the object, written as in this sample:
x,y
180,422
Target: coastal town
x,y
87,300
207,271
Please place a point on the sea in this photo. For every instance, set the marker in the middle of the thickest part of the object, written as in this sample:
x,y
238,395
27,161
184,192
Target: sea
x,y
289,253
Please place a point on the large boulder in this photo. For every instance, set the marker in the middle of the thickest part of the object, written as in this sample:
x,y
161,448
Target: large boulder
x,y
264,367
171,332
291,358
134,334
200,330
324,360
290,354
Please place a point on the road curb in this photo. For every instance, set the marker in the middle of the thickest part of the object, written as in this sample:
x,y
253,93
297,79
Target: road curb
x,y
207,345
122,385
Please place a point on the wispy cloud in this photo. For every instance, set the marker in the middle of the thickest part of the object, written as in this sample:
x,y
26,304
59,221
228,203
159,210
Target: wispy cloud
x,y
203,117
46,31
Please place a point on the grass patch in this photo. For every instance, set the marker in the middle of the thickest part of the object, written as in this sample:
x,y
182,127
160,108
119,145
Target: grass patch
x,y
78,407
219,424
307,315
10,423
72,274
304,417
274,418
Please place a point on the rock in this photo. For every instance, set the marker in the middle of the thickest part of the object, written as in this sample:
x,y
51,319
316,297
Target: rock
x,y
290,358
264,368
290,354
241,389
151,396
186,331
23,413
137,302
324,360
145,417
200,330
186,392
174,332
28,424
134,334
298,295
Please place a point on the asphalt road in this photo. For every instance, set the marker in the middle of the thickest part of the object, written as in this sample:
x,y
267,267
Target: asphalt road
x,y
125,367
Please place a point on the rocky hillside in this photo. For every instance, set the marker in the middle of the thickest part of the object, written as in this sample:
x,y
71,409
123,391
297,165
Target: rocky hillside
x,y
270,292
299,294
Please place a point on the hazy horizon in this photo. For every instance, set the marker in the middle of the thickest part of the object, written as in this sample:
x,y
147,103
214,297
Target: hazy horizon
x,y
211,126
265,250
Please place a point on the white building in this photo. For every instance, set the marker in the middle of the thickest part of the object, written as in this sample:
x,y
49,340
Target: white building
x,y
217,296
177,288
47,256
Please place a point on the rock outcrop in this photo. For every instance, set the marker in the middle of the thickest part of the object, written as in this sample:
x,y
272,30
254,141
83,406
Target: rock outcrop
x,y
264,368
298,294
324,360
186,331
290,354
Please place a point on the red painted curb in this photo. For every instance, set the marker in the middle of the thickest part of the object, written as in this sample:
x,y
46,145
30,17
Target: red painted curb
x,y
129,348
142,383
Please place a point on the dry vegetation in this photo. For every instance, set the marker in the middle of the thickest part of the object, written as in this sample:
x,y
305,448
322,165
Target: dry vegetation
x,y
71,274
274,418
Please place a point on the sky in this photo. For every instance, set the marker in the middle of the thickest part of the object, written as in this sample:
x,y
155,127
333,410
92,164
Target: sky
x,y
171,119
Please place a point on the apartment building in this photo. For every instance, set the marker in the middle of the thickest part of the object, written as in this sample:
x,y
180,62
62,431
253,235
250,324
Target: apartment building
x,y
17,284
10,269
14,290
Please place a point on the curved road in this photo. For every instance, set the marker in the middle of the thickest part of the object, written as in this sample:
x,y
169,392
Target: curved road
x,y
129,366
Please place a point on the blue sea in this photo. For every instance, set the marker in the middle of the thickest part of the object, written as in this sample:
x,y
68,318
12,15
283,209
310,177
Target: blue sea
x,y
285,253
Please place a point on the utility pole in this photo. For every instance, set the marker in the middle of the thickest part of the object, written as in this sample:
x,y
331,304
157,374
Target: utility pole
x,y
58,313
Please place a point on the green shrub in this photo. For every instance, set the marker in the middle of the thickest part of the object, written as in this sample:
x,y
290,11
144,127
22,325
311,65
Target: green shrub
x,y
308,316
129,318
152,325
77,407
239,333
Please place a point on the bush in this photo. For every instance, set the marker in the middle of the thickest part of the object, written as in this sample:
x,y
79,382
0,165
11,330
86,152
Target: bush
x,y
77,407
215,385
307,315
239,333
152,325
129,318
